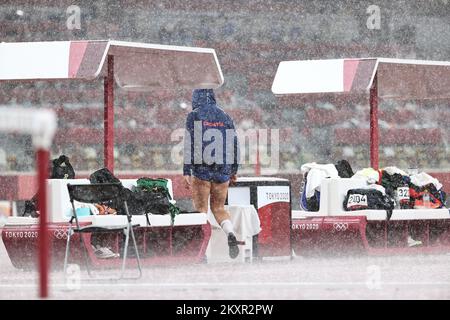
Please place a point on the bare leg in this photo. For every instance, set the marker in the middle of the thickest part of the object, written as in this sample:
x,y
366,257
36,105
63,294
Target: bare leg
x,y
200,194
218,196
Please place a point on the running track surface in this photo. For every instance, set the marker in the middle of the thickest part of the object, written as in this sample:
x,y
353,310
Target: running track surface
x,y
396,277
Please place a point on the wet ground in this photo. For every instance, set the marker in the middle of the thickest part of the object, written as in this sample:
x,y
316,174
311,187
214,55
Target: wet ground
x,y
396,277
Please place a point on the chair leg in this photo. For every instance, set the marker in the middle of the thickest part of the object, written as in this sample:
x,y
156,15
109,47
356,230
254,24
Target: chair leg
x,y
138,259
86,259
125,251
66,257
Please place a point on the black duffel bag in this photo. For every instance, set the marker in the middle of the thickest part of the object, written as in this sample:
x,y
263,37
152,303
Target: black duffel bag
x,y
361,199
144,202
139,201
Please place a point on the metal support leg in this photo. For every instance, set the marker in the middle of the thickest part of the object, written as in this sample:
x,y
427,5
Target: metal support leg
x,y
86,260
125,251
66,257
138,259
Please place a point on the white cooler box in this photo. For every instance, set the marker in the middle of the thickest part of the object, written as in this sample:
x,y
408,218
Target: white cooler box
x,y
271,197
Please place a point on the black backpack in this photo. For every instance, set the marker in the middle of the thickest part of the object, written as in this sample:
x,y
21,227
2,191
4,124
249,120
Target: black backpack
x,y
59,168
344,169
155,197
103,176
30,209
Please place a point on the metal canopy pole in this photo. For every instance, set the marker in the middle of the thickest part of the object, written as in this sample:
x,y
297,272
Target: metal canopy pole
x,y
42,159
374,132
108,120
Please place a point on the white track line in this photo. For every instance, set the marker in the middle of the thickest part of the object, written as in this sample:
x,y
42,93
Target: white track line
x,y
247,285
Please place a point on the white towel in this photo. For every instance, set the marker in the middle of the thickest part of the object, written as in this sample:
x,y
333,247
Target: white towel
x,y
393,170
316,173
422,179
245,220
371,175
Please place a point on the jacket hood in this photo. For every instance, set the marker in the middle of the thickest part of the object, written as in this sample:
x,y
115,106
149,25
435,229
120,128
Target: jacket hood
x,y
203,97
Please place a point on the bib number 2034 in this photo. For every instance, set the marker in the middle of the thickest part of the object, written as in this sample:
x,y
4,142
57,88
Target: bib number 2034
x,y
357,200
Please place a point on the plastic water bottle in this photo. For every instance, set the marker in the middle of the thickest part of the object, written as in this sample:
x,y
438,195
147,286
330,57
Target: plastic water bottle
x,y
426,199
396,199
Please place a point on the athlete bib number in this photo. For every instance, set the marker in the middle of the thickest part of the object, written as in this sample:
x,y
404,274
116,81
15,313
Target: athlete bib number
x,y
357,200
403,193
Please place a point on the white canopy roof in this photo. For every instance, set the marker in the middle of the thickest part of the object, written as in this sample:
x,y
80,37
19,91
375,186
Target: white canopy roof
x,y
137,66
396,78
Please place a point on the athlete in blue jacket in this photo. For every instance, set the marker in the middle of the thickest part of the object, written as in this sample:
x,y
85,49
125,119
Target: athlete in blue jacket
x,y
211,156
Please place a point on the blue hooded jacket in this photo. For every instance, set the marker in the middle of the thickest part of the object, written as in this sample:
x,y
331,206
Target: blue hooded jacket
x,y
212,120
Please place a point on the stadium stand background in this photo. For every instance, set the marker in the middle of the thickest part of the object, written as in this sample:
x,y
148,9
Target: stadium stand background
x,y
250,38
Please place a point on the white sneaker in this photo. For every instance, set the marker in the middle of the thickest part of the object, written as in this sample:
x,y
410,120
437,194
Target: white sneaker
x,y
104,252
413,243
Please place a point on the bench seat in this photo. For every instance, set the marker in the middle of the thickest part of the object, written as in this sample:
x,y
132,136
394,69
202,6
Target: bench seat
x,y
117,220
373,215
